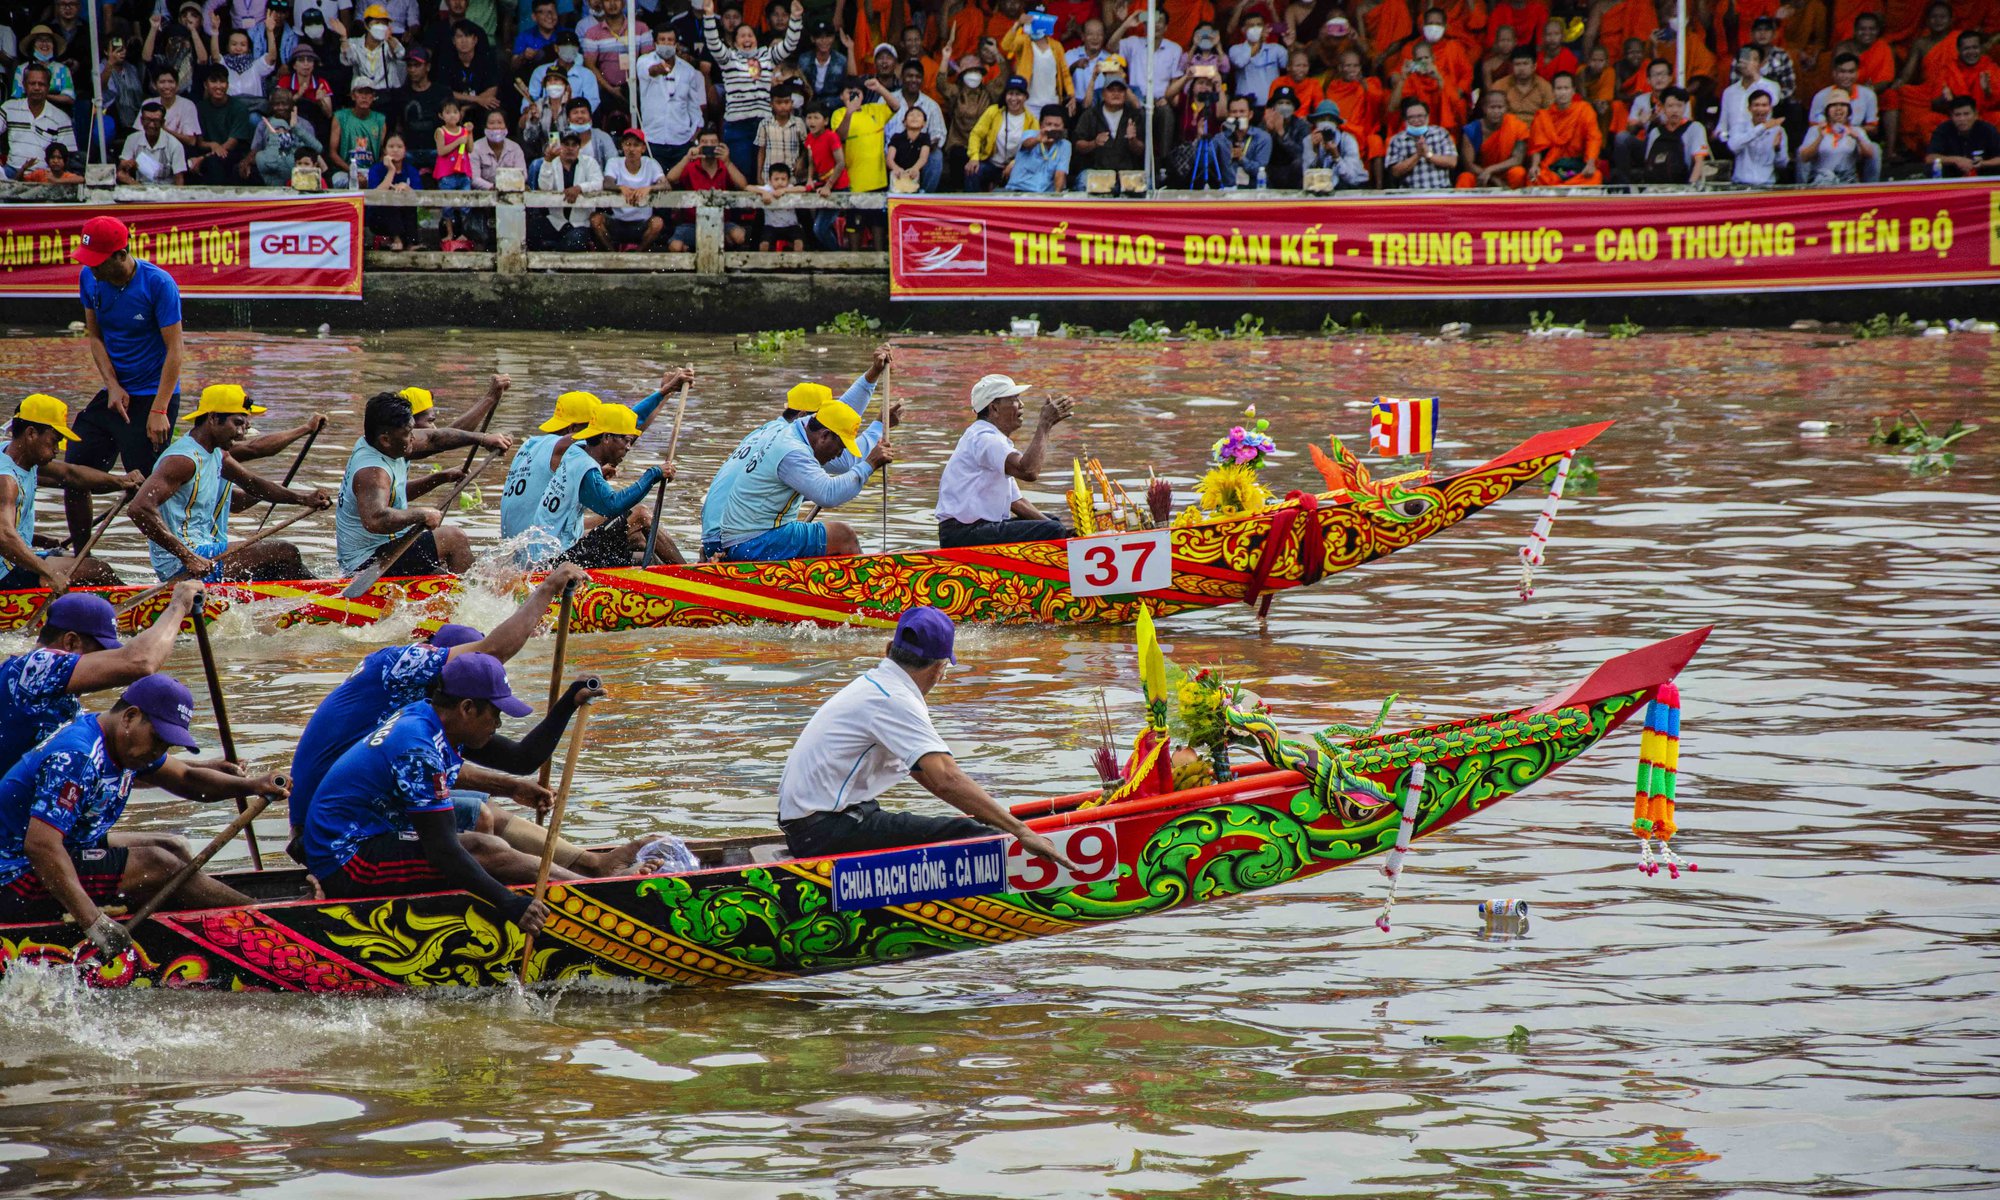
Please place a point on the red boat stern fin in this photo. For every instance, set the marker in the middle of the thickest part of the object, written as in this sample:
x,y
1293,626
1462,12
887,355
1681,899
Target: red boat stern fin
x,y
1637,670
1550,444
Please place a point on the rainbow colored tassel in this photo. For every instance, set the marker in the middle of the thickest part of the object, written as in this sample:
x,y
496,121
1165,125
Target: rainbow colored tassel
x,y
1659,775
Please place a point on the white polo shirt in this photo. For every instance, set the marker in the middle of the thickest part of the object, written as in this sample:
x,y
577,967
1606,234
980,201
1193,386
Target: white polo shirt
x,y
858,745
975,485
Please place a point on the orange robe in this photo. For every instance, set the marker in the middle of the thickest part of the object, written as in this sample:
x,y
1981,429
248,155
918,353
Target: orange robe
x,y
1455,66
1388,23
1307,90
1464,18
1524,17
1496,147
1631,19
1877,69
1361,107
1701,62
1747,12
1447,107
1981,81
1182,18
1602,89
1846,12
1570,132
1905,20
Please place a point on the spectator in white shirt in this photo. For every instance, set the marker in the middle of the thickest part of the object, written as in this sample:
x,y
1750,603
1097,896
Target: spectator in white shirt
x,y
637,177
151,154
1733,119
979,500
248,69
671,93
376,57
1864,114
33,121
1256,62
1760,147
569,173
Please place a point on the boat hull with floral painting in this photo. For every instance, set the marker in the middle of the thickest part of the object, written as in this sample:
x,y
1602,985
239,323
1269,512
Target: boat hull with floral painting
x,y
748,914
1292,543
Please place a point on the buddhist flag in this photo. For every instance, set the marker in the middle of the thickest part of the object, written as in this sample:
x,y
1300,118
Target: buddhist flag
x,y
1402,426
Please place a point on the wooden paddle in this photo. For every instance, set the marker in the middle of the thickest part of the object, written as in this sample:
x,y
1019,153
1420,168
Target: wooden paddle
x,y
886,372
365,578
563,614
291,473
222,721
252,810
472,451
555,825
660,492
224,557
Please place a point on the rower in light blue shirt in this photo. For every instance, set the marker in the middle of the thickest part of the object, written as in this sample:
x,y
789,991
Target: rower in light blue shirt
x,y
535,462
576,482
755,492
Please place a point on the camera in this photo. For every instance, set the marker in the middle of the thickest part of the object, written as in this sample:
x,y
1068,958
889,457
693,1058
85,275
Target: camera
x,y
710,151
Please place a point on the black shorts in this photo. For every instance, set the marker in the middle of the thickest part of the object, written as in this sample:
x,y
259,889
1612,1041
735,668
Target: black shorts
x,y
608,545
20,579
623,231
420,559
102,438
869,826
98,869
388,864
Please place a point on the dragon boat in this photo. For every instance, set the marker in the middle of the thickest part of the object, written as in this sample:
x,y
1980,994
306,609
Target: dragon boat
x,y
747,913
1096,580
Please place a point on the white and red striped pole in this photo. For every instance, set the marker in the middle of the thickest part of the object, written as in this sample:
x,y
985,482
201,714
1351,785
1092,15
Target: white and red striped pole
x,y
1538,537
1413,793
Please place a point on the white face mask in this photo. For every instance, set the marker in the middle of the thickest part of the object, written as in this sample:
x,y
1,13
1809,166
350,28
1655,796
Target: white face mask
x,y
1339,27
496,136
1205,42
566,53
379,30
668,53
555,91
973,79
1253,33
1433,33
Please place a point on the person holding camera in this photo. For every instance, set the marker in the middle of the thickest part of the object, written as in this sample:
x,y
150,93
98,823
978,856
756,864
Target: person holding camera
x,y
1241,151
706,168
1333,148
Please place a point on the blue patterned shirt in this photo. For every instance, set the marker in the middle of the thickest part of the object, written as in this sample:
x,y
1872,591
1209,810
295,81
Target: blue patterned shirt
x,y
390,679
406,766
34,700
69,783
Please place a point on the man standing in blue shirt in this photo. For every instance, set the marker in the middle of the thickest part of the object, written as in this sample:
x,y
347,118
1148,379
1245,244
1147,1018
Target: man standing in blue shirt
x,y
79,651
382,823
58,806
132,323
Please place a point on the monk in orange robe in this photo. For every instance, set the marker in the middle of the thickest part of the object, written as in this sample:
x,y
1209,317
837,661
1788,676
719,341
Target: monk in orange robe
x,y
1845,12
1420,80
1385,23
1971,73
1625,21
1907,20
1495,146
1565,140
1182,18
1362,102
1455,63
1524,17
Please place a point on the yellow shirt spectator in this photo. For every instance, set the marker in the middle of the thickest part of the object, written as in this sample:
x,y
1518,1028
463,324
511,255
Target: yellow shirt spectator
x,y
866,149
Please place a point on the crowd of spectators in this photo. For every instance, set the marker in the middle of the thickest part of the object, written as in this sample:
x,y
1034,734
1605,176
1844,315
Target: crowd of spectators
x,y
779,97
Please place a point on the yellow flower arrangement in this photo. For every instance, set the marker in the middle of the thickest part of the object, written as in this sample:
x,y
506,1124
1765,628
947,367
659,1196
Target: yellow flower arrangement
x,y
1227,490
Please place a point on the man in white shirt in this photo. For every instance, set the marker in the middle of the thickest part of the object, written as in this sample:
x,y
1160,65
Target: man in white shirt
x,y
33,122
867,738
1257,62
637,177
151,155
1150,81
1760,147
1733,119
1082,62
979,500
671,91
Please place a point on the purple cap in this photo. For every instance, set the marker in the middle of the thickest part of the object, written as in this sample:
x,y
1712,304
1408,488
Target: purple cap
x,y
449,635
924,631
418,53
478,676
166,702
83,613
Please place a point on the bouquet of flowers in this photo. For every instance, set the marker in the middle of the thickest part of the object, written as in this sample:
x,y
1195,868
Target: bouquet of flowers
x,y
1246,445
1230,487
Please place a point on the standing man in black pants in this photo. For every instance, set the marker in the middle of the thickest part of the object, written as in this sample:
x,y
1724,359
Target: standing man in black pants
x,y
132,324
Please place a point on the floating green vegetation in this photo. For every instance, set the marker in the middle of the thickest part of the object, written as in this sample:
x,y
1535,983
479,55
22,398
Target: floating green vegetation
x,y
1515,1039
1194,332
1882,325
1582,480
1926,453
1249,328
1142,330
1627,328
853,322
1543,322
774,341
1328,326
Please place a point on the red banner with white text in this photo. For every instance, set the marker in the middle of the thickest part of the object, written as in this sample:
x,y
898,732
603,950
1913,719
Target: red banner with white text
x,y
1446,247
256,248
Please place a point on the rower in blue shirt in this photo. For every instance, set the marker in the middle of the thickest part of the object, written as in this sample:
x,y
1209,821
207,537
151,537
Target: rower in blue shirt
x,y
374,506
78,651
382,822
576,482
58,850
753,496
36,436
183,507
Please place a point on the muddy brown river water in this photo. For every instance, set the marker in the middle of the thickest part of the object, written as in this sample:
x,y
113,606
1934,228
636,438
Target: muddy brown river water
x,y
1812,1014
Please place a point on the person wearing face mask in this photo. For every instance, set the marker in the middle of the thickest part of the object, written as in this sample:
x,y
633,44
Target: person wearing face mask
x,y
998,137
1421,81
42,46
1242,150
1332,148
569,70
671,93
1455,68
375,58
1256,61
1362,103
1289,134
1420,156
575,118
1038,59
964,99
1191,161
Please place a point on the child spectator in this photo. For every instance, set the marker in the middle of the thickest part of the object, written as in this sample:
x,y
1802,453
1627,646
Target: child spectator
x,y
636,177
453,171
860,127
395,173
781,137
829,173
781,225
911,149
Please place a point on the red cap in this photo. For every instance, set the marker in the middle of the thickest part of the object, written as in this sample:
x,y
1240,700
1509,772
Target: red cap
x,y
633,133
102,238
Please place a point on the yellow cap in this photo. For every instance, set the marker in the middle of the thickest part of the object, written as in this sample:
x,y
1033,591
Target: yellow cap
x,y
375,12
808,397
223,398
611,418
845,423
572,408
419,398
46,410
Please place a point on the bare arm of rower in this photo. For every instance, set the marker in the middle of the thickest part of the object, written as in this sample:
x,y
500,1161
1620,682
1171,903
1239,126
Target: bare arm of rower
x,y
438,835
12,547
942,777
1027,511
141,656
436,479
1027,464
90,479
373,491
440,438
475,416
172,474
513,633
267,444
254,485
44,846
195,782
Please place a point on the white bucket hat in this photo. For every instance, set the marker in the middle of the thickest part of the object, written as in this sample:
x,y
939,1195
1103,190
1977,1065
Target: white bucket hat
x,y
995,387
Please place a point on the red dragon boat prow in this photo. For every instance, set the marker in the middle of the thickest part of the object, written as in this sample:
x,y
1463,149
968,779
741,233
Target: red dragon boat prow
x,y
750,914
1204,564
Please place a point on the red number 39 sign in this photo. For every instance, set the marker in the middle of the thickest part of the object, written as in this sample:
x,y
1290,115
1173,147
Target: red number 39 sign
x,y
1120,564
1093,848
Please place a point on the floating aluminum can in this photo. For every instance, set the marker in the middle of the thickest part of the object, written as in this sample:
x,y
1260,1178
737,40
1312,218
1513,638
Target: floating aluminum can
x,y
1503,908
